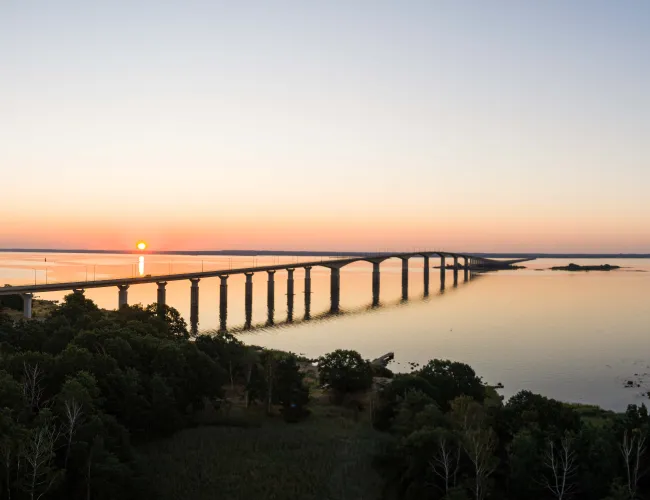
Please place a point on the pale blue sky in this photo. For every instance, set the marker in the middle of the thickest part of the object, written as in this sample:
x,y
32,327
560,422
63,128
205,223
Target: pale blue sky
x,y
526,123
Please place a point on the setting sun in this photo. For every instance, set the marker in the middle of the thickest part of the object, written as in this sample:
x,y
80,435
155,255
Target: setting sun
x,y
141,245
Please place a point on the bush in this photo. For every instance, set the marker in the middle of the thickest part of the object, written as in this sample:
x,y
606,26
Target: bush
x,y
345,371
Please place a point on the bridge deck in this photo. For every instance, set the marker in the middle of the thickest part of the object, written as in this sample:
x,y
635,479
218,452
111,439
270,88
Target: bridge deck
x,y
56,287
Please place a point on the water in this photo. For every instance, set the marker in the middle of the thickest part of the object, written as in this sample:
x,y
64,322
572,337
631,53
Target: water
x,y
572,336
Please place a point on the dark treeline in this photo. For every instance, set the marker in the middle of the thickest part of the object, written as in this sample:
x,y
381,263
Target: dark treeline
x,y
82,388
454,439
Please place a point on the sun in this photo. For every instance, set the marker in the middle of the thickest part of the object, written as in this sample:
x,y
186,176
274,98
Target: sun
x,y
141,245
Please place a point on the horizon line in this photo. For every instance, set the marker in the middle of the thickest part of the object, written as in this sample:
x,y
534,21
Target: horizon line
x,y
325,253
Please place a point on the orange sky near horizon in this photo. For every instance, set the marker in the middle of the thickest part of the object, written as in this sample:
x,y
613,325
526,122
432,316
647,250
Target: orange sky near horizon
x,y
365,233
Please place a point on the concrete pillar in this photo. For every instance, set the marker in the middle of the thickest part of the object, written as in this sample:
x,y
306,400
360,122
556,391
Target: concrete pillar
x,y
455,270
249,299
271,296
307,292
122,296
223,303
443,269
375,283
290,294
194,305
161,297
426,275
335,289
27,304
466,263
405,278
466,270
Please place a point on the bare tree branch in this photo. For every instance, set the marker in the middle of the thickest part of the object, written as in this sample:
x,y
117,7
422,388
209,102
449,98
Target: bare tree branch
x,y
38,455
32,389
561,462
633,448
446,462
73,414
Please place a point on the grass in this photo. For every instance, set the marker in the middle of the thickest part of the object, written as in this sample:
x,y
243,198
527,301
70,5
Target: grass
x,y
327,456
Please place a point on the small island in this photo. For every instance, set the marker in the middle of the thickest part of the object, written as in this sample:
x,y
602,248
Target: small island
x,y
576,267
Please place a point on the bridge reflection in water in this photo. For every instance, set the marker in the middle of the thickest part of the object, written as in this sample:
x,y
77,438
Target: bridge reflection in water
x,y
249,328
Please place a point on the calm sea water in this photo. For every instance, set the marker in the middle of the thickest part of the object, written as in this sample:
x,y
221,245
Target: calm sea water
x,y
573,336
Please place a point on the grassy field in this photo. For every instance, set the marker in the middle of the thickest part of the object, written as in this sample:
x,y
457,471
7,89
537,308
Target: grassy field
x,y
327,456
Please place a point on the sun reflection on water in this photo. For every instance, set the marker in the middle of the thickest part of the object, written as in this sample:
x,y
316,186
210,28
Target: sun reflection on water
x,y
141,265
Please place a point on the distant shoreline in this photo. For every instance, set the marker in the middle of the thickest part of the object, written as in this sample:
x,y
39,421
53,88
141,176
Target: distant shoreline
x,y
314,253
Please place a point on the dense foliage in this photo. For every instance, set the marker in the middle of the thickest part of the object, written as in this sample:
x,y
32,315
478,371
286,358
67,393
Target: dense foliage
x,y
14,302
453,438
82,386
345,371
78,388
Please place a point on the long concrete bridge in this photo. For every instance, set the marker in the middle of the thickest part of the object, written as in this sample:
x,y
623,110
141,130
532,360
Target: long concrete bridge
x,y
470,263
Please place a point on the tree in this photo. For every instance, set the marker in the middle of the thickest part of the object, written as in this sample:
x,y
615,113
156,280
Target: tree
x,y
451,380
391,395
526,409
524,458
227,350
39,472
175,324
560,460
479,441
77,310
633,449
14,302
446,461
12,439
345,371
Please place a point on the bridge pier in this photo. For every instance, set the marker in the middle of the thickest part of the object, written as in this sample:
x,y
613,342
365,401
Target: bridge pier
x,y
194,305
443,269
426,275
270,297
161,298
335,289
455,271
27,304
375,283
466,269
249,299
223,303
307,292
290,294
122,296
405,278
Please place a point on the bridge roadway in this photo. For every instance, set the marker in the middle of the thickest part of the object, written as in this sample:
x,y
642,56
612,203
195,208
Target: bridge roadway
x,y
470,263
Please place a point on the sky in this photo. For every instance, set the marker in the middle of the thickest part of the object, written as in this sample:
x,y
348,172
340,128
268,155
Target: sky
x,y
330,125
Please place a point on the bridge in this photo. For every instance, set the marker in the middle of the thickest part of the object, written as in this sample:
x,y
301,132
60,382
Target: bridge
x,y
470,263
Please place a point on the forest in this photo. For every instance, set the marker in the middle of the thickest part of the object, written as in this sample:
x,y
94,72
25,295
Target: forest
x,y
92,401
